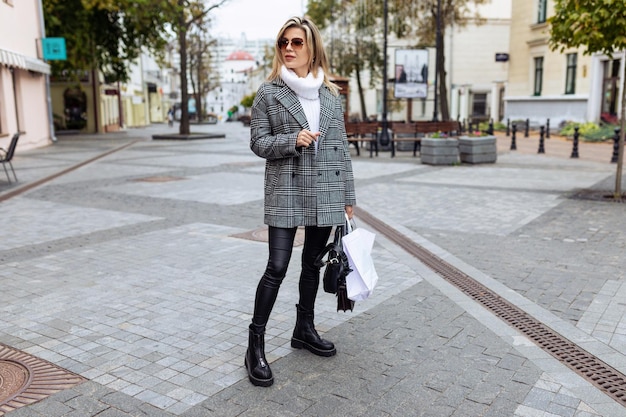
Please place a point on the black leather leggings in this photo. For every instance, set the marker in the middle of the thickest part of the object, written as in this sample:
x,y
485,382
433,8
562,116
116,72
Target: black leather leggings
x,y
280,248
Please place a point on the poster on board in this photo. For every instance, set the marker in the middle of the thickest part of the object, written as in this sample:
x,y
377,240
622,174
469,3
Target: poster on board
x,y
411,73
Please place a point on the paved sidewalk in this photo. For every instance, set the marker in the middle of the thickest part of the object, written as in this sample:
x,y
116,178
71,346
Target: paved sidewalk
x,y
137,271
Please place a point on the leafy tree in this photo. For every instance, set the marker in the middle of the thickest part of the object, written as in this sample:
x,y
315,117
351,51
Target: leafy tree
x,y
104,35
597,26
109,34
357,47
248,100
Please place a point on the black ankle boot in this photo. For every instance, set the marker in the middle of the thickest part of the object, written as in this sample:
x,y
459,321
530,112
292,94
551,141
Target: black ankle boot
x,y
259,370
305,336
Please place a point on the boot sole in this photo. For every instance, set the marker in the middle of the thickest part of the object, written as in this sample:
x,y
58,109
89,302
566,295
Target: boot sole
x,y
299,344
257,381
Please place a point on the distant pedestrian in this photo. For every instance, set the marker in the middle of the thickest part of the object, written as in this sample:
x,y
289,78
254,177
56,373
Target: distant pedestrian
x,y
298,126
170,117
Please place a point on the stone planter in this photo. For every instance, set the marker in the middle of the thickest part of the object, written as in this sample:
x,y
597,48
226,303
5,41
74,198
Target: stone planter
x,y
478,150
439,151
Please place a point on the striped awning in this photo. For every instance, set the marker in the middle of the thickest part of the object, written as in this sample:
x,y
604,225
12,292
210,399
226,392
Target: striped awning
x,y
16,60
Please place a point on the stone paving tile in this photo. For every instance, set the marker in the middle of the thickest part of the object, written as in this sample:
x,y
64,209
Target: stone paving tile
x,y
144,299
391,365
25,225
160,307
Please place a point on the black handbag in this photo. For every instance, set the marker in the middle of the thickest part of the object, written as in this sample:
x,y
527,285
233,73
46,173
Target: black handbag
x,y
337,266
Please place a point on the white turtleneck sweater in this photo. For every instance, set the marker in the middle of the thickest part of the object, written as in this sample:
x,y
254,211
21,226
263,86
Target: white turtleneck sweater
x,y
307,91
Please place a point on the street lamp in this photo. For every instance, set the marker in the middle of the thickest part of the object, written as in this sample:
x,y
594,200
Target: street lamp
x,y
438,51
384,135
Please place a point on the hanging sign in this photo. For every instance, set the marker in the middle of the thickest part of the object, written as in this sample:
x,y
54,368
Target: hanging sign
x,y
54,49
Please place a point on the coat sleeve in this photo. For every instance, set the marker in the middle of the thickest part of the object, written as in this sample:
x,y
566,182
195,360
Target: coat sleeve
x,y
350,192
264,142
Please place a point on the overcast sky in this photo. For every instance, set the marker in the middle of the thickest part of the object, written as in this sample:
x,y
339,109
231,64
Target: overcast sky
x,y
257,18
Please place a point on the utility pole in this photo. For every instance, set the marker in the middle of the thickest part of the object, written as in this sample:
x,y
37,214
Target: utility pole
x,y
437,53
384,135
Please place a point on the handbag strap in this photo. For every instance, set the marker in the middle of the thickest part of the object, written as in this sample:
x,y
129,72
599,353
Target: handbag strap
x,y
335,246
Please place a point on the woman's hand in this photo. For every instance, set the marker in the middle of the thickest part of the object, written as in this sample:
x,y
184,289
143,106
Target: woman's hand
x,y
349,212
306,138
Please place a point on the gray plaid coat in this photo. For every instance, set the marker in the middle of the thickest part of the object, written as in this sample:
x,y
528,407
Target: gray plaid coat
x,y
302,188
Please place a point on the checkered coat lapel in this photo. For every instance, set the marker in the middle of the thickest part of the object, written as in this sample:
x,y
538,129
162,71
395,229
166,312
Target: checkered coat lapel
x,y
302,188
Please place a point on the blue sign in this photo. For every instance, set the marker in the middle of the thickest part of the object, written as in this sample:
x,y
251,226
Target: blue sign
x,y
54,49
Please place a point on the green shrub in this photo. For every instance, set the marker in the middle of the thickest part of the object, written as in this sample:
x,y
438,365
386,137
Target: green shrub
x,y
589,131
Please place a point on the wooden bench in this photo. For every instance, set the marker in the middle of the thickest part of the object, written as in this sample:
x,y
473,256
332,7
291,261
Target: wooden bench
x,y
405,132
359,132
415,131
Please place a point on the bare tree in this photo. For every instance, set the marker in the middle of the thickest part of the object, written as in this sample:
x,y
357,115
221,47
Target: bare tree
x,y
188,13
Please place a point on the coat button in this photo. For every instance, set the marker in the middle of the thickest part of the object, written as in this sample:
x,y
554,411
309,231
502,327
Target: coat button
x,y
319,174
293,175
336,148
337,173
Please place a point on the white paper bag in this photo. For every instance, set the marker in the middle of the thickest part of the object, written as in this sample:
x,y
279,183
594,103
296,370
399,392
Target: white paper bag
x,y
358,247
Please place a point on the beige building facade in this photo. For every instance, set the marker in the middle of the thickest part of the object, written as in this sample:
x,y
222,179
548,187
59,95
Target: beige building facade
x,y
24,102
560,86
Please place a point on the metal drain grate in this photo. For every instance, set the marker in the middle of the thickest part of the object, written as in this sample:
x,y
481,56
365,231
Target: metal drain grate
x,y
25,379
606,378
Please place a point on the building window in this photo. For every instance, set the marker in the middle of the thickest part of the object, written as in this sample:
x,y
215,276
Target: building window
x,y
538,76
479,104
570,78
542,6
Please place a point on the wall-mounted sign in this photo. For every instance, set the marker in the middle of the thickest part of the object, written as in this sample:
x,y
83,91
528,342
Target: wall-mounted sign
x,y
502,57
54,49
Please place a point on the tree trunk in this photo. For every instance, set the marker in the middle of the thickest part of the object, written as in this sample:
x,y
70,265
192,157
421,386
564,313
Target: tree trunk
x,y
184,105
359,85
617,194
443,87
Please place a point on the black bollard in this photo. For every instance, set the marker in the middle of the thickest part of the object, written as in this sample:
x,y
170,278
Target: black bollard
x,y
575,146
464,126
548,129
508,127
513,144
490,131
527,128
542,130
615,156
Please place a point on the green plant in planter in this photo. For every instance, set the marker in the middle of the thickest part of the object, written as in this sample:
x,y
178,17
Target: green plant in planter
x,y
439,135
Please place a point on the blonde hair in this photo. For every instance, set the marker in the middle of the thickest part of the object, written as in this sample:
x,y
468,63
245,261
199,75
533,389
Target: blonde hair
x,y
317,56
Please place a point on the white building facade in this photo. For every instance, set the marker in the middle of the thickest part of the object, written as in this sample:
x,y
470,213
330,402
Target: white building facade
x,y
237,62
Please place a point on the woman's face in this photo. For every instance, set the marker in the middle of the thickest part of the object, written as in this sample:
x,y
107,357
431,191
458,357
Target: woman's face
x,y
295,52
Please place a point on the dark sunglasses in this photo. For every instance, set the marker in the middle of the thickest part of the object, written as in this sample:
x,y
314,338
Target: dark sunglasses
x,y
296,43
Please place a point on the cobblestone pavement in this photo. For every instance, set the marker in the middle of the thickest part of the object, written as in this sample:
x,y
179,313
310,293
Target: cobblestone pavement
x,y
134,272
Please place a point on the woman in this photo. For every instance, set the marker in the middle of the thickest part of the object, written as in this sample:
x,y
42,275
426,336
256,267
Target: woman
x,y
297,126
